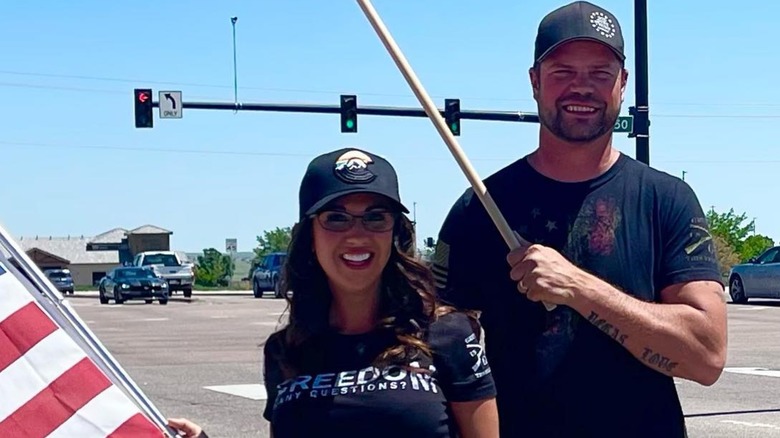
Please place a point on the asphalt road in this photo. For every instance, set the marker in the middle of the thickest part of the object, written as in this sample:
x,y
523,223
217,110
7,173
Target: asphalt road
x,y
201,359
745,402
193,358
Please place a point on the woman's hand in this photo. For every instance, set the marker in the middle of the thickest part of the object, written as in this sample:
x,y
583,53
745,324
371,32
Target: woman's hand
x,y
185,427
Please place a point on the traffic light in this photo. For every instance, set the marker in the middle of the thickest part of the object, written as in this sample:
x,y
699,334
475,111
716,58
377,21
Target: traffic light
x,y
142,98
348,113
429,242
452,115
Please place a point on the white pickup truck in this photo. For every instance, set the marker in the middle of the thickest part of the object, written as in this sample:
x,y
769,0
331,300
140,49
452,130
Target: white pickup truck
x,y
168,266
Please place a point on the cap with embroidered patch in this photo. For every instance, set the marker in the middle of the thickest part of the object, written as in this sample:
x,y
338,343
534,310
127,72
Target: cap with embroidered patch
x,y
345,171
578,21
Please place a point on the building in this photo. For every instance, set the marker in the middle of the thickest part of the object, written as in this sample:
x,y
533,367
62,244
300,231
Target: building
x,y
89,258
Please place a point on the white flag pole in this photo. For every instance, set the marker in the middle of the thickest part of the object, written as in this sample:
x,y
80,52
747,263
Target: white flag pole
x,y
511,239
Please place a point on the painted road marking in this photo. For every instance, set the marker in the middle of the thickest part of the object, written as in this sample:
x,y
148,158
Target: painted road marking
x,y
749,424
753,371
250,391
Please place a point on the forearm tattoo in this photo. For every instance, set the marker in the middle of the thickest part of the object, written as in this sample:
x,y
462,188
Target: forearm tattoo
x,y
657,360
607,328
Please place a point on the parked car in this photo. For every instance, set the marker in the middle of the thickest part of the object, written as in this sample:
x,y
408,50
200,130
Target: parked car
x,y
130,282
61,279
168,266
267,274
759,277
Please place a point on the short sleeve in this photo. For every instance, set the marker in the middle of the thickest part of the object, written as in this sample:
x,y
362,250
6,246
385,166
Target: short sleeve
x,y
688,252
462,368
452,268
272,373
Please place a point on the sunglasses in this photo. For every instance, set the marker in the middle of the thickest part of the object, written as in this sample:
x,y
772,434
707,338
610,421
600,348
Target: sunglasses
x,y
378,221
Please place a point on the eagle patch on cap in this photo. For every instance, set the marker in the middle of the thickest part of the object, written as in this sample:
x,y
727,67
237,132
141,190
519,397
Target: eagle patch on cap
x,y
352,167
602,23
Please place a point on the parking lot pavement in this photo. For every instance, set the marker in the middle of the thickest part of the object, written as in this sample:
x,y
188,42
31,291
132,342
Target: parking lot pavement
x,y
201,359
198,358
744,402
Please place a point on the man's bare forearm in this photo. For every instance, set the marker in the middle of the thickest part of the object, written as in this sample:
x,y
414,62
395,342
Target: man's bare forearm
x,y
674,339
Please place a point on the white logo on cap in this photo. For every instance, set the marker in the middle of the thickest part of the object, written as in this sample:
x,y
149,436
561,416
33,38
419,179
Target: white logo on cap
x,y
352,167
602,23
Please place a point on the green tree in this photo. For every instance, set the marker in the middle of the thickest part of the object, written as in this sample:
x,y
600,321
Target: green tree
x,y
214,268
731,228
725,253
276,240
754,245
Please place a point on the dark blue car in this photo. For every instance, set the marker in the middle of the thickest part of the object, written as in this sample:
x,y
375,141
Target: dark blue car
x,y
267,274
61,279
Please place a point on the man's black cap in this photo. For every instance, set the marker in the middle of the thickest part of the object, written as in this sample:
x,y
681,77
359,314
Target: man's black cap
x,y
345,171
578,21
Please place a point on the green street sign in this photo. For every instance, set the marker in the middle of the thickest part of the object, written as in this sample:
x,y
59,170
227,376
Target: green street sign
x,y
624,124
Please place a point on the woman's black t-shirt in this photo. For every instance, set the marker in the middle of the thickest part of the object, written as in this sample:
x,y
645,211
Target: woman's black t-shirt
x,y
349,397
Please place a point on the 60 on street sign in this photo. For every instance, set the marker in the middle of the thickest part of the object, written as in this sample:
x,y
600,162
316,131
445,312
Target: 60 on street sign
x,y
624,124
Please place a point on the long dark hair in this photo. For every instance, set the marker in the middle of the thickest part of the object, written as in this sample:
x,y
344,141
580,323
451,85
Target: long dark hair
x,y
407,304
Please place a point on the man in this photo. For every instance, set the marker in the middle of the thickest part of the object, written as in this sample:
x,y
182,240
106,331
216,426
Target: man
x,y
623,250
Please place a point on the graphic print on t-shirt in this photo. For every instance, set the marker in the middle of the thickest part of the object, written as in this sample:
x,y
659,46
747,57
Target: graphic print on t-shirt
x,y
700,240
369,379
415,377
592,233
480,367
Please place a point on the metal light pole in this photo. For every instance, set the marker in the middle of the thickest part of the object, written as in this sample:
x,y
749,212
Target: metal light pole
x,y
235,72
641,111
683,175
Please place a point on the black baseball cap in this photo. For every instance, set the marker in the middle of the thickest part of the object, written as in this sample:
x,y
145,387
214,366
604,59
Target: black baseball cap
x,y
578,21
345,171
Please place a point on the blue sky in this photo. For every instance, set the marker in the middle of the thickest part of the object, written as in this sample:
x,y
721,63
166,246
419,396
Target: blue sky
x,y
73,162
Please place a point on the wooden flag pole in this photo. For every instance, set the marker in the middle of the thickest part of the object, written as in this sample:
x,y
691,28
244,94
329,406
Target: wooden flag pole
x,y
511,239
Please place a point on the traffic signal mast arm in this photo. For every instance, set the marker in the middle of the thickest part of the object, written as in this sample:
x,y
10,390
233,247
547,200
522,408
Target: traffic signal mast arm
x,y
455,114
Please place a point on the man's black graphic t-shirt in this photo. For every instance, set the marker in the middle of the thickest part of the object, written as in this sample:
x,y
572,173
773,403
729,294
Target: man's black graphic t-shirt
x,y
556,374
349,397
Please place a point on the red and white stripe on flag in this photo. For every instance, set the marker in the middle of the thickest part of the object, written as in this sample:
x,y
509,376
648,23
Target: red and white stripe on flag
x,y
48,385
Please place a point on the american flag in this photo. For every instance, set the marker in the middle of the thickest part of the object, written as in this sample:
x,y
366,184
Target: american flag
x,y
49,386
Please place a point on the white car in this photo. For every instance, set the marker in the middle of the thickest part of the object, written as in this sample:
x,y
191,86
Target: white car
x,y
168,266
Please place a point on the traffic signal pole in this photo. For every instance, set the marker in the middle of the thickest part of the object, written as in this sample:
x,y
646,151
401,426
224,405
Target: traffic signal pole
x,y
454,113
636,125
501,116
641,112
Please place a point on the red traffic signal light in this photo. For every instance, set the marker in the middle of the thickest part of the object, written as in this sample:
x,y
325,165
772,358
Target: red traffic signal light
x,y
143,108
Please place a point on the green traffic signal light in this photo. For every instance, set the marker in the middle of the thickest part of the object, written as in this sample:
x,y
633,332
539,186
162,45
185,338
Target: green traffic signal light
x,y
348,107
452,114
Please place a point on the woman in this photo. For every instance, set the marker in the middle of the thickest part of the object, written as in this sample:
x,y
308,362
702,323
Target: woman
x,y
368,352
